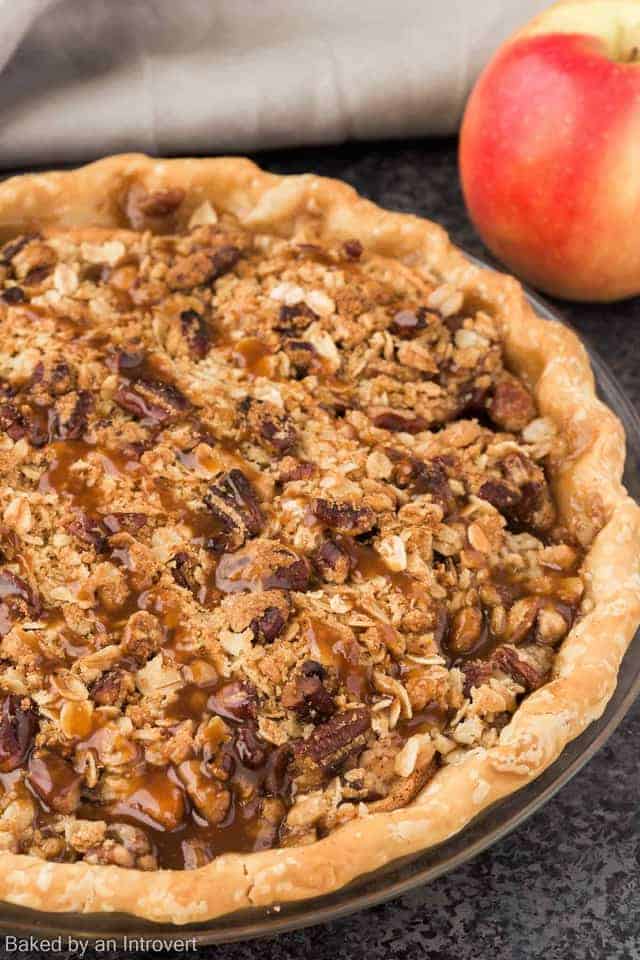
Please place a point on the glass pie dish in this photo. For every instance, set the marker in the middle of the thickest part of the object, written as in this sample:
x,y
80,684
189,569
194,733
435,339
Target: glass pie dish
x,y
399,876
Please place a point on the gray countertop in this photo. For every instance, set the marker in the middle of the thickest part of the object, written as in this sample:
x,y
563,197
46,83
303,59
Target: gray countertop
x,y
566,884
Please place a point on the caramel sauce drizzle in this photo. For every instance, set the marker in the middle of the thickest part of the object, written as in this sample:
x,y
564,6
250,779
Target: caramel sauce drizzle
x,y
369,564
156,799
62,480
253,355
331,649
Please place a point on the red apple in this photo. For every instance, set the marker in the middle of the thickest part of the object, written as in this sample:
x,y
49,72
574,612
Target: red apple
x,y
550,151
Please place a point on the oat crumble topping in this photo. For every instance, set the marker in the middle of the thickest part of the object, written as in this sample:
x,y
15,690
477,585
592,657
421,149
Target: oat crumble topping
x,y
277,540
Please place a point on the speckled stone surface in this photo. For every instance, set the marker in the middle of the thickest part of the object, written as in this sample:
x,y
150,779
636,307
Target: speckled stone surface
x,y
566,884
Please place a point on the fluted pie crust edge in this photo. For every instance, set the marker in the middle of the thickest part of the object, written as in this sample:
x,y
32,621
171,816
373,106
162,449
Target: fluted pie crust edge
x,y
587,484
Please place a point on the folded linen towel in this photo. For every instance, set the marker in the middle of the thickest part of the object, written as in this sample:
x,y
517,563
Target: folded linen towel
x,y
82,78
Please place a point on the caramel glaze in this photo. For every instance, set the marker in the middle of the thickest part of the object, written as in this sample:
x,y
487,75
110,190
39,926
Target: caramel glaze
x,y
369,563
253,355
61,479
330,648
157,799
243,830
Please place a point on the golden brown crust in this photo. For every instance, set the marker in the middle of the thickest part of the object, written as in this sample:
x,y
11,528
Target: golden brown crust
x,y
591,498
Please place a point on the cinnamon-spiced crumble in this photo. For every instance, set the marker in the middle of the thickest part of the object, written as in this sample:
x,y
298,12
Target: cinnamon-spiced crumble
x,y
277,538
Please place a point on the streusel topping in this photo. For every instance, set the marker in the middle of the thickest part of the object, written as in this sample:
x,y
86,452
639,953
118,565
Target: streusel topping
x,y
277,539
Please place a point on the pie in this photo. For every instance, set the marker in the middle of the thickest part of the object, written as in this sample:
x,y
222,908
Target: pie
x,y
314,543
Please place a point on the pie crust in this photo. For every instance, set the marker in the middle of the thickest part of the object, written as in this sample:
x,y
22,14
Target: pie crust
x,y
592,502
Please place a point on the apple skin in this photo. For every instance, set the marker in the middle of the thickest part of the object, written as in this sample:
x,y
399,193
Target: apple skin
x,y
550,165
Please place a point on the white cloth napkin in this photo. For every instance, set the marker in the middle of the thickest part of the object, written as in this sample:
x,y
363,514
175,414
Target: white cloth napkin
x,y
81,78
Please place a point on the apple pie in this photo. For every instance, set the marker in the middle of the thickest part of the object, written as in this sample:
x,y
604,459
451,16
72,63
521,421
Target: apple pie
x,y
313,538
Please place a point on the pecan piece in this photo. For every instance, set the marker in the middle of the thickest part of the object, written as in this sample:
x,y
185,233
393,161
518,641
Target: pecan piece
x,y
400,422
511,406
432,478
75,425
183,570
303,357
250,748
127,520
344,517
294,318
473,401
153,400
262,565
535,507
273,429
291,470
133,451
224,260
142,635
334,561
18,727
202,267
330,745
18,596
307,695
37,376
423,477
13,295
499,494
268,626
528,670
88,530
62,379
196,332
290,576
234,502
38,428
38,275
112,688
13,248
12,421
476,672
276,781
